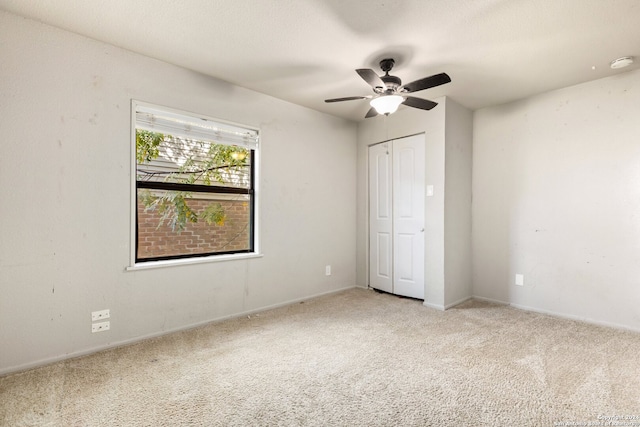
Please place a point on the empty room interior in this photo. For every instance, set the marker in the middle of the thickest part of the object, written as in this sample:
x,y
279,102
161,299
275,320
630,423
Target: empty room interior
x,y
320,212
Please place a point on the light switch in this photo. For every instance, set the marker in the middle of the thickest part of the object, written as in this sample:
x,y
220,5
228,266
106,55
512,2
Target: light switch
x,y
520,279
429,190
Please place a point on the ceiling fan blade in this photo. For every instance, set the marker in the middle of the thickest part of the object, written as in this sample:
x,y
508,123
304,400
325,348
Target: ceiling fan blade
x,y
348,98
371,113
426,83
423,104
370,76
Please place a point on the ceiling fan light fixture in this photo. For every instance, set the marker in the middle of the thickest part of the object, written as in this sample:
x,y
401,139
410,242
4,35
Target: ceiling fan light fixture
x,y
387,104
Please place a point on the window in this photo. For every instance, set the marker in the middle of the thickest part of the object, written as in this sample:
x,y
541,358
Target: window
x,y
194,186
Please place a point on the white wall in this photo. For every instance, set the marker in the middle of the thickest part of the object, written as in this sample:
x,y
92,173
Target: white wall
x,y
556,197
457,215
65,199
440,289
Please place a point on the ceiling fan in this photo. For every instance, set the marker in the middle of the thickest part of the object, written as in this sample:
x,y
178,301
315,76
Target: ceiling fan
x,y
390,92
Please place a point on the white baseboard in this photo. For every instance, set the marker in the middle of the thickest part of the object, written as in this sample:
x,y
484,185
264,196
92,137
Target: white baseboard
x,y
85,352
559,314
460,301
574,317
446,307
494,301
436,306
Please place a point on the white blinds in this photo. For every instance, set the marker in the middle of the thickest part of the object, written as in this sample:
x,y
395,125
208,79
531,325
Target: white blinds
x,y
189,127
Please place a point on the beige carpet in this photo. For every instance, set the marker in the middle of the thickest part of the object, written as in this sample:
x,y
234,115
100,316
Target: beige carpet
x,y
357,358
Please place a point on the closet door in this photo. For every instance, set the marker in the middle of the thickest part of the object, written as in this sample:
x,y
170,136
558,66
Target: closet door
x,y
396,216
380,218
408,216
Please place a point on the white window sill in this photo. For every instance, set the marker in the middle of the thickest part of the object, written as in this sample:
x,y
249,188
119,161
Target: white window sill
x,y
188,261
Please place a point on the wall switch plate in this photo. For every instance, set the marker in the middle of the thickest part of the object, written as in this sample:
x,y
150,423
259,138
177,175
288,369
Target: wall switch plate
x,y
100,327
327,270
100,315
520,279
429,190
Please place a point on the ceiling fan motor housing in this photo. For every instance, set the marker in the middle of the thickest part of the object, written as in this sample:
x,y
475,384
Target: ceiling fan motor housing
x,y
392,82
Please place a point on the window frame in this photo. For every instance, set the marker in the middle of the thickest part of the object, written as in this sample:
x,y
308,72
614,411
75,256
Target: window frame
x,y
252,192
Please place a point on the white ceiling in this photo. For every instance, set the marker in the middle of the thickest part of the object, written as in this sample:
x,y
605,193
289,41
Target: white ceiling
x,y
305,51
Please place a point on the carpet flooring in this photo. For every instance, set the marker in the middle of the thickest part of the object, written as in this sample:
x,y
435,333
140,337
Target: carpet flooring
x,y
356,358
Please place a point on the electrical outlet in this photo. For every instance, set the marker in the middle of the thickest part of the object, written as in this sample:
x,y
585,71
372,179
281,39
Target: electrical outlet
x,y
100,315
520,279
327,270
100,327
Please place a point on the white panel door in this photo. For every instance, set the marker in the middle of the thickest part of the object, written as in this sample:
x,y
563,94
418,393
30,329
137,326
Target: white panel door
x,y
408,216
380,218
